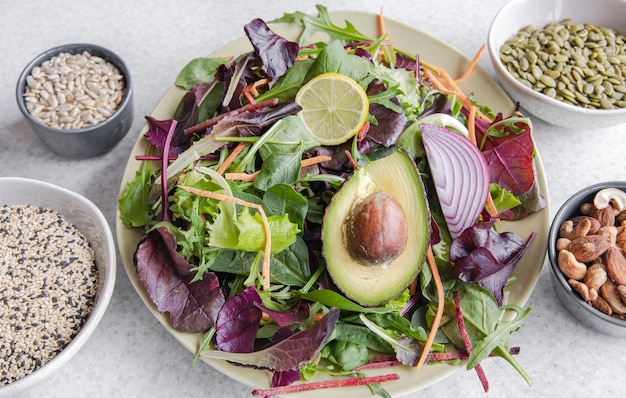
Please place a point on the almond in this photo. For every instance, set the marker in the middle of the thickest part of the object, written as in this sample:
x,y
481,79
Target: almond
x,y
615,265
605,216
589,248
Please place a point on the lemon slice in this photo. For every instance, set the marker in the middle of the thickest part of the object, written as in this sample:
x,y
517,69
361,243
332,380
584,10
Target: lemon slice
x,y
334,107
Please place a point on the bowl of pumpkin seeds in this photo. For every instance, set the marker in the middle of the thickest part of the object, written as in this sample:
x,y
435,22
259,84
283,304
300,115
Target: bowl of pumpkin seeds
x,y
563,61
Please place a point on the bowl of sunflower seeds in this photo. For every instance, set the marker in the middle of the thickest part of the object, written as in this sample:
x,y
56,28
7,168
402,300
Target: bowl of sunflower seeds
x,y
78,98
57,274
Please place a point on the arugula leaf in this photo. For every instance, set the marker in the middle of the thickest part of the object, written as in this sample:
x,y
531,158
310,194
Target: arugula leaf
x,y
331,298
407,349
322,23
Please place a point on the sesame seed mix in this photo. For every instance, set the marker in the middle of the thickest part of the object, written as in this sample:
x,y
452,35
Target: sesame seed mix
x,y
48,282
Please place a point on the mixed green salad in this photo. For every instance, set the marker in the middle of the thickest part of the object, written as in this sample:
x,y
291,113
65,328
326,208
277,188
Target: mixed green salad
x,y
236,199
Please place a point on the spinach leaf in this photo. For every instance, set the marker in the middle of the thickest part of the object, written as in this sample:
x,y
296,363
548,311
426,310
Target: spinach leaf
x,y
287,86
279,168
346,354
333,58
283,199
287,136
291,266
198,70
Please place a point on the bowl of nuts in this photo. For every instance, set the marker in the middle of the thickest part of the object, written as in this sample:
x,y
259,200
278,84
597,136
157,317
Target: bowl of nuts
x,y
563,61
57,276
78,99
586,250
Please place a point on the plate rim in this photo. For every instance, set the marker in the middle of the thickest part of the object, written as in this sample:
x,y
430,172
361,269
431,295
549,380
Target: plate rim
x,y
262,377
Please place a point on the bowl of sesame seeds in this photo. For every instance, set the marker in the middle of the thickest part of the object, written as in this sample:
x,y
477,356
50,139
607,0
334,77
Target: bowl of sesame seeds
x,y
78,99
57,274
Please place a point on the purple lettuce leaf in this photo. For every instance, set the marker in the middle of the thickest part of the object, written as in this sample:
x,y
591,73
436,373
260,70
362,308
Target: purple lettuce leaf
x,y
390,124
294,315
288,354
238,322
187,116
234,75
487,257
511,163
248,124
285,377
166,275
276,53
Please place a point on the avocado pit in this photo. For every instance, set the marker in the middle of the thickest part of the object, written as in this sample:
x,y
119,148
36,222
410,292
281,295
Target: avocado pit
x,y
376,229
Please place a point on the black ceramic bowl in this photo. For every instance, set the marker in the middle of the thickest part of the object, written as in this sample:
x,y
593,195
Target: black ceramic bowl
x,y
87,141
571,300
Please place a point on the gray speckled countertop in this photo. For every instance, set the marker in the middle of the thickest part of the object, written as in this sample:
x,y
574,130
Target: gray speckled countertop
x,y
131,354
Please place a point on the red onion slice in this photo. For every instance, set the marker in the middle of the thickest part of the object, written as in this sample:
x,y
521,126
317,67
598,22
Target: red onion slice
x,y
460,174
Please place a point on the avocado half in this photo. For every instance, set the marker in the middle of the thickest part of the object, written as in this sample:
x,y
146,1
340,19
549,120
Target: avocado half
x,y
363,271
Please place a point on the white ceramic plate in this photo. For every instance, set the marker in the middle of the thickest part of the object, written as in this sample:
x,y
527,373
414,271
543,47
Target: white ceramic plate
x,y
430,50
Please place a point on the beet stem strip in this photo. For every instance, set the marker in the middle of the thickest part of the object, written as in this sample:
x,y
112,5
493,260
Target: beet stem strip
x,y
353,381
466,340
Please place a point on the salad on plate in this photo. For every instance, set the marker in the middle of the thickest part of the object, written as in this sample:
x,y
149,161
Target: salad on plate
x,y
330,206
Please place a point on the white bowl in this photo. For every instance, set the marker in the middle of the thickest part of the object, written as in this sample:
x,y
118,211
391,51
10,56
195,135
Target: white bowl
x,y
517,14
88,219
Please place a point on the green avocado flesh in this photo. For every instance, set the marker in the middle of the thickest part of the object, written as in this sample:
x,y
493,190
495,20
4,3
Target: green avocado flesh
x,y
372,283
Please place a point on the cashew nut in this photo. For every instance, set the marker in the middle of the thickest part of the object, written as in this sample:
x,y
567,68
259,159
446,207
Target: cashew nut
x,y
615,197
595,276
580,288
571,267
601,305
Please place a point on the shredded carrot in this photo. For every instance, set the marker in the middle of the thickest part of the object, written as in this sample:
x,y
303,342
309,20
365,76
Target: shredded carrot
x,y
430,257
250,177
453,90
471,65
241,176
315,160
231,158
265,271
381,23
318,316
252,88
471,124
492,207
